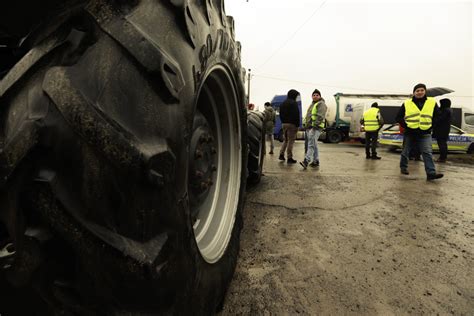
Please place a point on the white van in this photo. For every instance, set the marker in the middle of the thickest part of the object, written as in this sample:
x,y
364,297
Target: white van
x,y
389,106
463,118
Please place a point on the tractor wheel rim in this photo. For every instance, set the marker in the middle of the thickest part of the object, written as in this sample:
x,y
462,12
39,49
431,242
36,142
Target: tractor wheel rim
x,y
216,159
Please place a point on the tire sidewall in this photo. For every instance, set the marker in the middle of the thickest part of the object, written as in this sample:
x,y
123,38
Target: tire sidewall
x,y
207,284
335,137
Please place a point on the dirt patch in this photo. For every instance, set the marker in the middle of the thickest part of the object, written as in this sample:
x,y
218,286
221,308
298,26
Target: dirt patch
x,y
465,158
355,237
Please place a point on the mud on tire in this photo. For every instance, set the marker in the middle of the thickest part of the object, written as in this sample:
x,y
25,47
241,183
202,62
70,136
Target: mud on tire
x,y
123,159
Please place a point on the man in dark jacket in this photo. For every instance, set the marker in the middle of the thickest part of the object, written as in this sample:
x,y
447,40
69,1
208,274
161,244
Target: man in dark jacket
x,y
417,115
290,119
441,129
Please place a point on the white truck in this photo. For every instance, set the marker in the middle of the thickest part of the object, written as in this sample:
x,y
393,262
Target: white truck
x,y
388,105
338,117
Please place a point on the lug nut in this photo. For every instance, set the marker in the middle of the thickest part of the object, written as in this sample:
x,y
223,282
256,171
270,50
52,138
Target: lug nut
x,y
198,154
204,186
199,174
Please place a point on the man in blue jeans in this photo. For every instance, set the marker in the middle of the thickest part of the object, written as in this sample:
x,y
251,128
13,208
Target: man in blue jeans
x,y
314,124
417,116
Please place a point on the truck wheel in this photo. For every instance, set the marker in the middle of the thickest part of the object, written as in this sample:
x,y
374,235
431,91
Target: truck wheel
x,y
256,143
123,160
334,137
470,150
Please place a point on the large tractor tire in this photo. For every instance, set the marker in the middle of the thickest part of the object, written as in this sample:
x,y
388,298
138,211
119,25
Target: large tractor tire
x,y
256,143
123,160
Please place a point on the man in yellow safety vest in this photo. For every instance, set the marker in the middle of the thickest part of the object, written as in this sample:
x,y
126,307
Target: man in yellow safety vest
x,y
373,121
314,125
417,116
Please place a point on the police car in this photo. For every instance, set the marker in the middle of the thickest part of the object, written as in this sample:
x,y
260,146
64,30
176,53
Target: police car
x,y
459,140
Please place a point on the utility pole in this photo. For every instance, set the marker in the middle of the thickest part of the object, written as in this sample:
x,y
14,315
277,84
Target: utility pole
x,y
248,83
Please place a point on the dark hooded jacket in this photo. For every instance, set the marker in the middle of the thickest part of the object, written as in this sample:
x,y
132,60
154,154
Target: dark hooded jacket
x,y
443,124
289,112
419,103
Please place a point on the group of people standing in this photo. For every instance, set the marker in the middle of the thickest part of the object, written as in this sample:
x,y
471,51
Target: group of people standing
x,y
419,117
313,123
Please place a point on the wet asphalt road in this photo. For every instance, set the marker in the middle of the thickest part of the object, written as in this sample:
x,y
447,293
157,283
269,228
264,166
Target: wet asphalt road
x,y
355,237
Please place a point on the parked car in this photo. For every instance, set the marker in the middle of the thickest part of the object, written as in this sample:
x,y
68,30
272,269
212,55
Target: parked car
x,y
459,140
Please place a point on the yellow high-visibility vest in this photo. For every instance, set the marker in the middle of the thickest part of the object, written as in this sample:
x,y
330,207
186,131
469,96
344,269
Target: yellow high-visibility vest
x,y
314,115
371,123
414,118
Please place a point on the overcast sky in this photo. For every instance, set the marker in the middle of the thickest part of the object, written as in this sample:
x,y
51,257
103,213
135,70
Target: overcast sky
x,y
355,46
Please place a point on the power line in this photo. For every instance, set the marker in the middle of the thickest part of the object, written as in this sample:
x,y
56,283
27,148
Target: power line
x,y
293,35
324,85
340,87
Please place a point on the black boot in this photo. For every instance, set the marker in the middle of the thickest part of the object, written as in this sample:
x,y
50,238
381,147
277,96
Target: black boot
x,y
434,176
304,164
314,164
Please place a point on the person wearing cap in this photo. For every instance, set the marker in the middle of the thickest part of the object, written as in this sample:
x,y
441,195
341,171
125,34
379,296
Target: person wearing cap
x,y
314,125
372,121
417,115
290,119
442,128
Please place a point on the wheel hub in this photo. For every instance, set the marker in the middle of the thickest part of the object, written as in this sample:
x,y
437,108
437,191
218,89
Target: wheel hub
x,y
202,164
